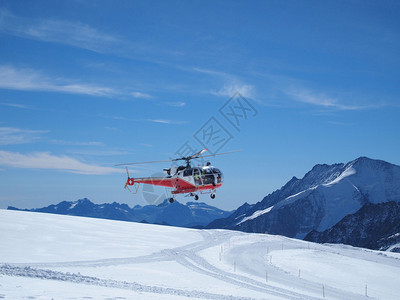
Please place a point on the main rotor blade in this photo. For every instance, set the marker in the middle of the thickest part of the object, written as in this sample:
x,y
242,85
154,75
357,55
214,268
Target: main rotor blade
x,y
219,153
198,153
193,156
145,162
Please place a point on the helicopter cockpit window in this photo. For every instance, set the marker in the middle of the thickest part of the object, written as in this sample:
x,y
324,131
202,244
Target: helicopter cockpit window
x,y
188,172
207,176
216,171
218,175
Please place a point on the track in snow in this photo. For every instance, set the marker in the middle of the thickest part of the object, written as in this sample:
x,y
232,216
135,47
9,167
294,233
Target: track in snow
x,y
186,256
9,270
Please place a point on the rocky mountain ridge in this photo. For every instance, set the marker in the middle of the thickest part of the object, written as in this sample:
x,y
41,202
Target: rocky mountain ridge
x,y
319,200
193,214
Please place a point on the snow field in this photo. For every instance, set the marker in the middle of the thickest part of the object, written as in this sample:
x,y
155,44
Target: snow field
x,y
32,288
45,256
54,237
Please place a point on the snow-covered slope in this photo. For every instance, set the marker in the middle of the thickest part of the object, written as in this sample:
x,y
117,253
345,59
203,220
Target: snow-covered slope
x,y
321,199
46,256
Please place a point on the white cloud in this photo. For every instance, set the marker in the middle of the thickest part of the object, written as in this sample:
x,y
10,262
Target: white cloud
x,y
16,105
75,143
59,31
212,72
319,99
44,160
228,90
176,104
80,35
33,80
115,117
164,121
140,95
101,152
159,121
146,145
232,84
14,136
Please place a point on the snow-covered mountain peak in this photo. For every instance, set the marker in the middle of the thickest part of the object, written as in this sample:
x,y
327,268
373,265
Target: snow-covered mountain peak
x,y
348,171
320,199
364,163
321,174
81,201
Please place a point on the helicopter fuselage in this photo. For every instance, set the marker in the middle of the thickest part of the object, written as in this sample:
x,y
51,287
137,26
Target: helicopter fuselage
x,y
194,179
186,180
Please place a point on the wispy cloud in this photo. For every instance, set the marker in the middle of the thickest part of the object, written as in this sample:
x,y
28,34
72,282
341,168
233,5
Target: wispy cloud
x,y
81,35
176,104
44,160
159,121
117,118
34,80
14,136
164,121
231,84
26,79
212,72
140,95
339,123
320,99
59,31
228,90
101,152
16,105
146,145
76,143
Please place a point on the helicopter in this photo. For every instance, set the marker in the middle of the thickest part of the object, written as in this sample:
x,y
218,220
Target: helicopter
x,y
184,179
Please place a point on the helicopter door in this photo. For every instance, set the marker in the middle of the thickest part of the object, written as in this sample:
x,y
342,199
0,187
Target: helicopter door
x,y
197,177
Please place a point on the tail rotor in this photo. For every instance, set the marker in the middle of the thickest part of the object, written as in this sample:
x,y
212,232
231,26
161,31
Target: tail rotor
x,y
129,181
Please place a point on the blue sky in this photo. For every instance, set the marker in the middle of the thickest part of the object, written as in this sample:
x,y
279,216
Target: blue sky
x,y
85,85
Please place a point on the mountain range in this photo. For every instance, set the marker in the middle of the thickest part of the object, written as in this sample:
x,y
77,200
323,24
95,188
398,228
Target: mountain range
x,y
321,199
356,203
193,214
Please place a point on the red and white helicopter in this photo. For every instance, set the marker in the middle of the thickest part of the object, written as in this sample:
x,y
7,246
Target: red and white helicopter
x,y
184,179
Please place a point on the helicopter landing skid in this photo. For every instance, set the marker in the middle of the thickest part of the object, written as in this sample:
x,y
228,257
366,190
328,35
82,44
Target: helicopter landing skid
x,y
196,197
211,192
